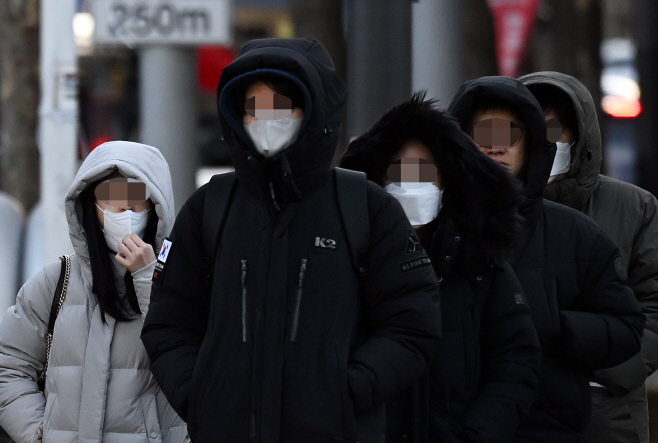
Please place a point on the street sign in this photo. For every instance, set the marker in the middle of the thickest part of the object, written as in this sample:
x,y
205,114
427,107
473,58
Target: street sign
x,y
182,22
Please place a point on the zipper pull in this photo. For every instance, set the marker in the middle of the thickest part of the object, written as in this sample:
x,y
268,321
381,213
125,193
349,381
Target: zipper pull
x,y
276,205
244,300
298,303
301,272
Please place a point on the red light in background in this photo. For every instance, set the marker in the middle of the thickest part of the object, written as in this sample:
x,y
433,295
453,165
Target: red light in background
x,y
97,141
211,61
620,107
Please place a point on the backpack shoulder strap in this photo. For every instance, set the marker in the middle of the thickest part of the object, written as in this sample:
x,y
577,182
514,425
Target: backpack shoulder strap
x,y
352,191
216,203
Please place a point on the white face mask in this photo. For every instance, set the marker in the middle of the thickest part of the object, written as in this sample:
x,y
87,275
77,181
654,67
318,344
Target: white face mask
x,y
421,201
562,161
272,136
116,225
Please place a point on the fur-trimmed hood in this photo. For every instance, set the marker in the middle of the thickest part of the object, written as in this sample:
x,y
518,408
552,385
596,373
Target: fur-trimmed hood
x,y
480,198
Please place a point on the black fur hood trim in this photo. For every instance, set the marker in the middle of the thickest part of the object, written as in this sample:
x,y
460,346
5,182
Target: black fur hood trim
x,y
480,198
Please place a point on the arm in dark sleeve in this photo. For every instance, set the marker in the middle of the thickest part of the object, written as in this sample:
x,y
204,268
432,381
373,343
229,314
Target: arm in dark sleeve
x,y
510,363
176,321
605,325
643,280
400,299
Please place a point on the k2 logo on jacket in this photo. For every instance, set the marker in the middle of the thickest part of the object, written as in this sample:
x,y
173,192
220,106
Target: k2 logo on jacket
x,y
161,260
413,244
519,299
325,243
415,264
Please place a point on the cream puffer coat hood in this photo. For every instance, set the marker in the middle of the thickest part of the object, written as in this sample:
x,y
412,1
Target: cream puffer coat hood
x,y
99,387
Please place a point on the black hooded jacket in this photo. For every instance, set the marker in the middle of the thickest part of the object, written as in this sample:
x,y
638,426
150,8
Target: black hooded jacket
x,y
483,378
281,341
586,317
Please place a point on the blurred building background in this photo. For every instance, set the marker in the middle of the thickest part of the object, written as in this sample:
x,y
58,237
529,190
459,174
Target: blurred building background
x,y
383,49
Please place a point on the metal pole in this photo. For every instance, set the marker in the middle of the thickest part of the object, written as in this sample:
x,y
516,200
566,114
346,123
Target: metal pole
x,y
58,117
438,49
168,94
378,60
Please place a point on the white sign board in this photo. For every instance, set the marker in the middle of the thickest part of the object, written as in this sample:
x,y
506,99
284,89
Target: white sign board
x,y
186,22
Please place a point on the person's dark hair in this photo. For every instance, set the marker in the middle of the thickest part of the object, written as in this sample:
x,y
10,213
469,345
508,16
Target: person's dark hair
x,y
280,85
491,106
102,273
552,98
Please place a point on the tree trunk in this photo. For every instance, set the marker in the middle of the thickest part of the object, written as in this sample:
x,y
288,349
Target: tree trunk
x,y
19,99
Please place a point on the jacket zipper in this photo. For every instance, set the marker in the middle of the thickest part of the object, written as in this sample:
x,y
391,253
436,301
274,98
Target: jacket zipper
x,y
276,205
244,300
295,322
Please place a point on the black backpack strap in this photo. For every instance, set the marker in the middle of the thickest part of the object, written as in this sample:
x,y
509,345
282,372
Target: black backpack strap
x,y
216,203
352,191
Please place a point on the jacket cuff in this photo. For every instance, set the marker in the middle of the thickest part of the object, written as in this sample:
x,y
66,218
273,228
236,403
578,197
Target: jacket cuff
x,y
145,273
623,378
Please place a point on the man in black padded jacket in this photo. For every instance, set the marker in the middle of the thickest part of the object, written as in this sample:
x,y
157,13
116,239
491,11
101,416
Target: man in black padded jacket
x,y
286,342
586,317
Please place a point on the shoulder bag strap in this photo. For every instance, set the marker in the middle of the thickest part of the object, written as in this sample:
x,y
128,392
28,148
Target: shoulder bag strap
x,y
58,301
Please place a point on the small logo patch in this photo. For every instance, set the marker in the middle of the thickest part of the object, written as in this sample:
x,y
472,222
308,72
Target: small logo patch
x,y
415,264
164,251
325,243
620,269
519,299
413,244
160,262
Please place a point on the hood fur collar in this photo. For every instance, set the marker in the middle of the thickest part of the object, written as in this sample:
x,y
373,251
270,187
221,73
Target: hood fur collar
x,y
480,198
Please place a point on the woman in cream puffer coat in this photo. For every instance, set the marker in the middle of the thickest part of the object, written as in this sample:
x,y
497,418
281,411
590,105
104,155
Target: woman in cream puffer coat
x,y
99,387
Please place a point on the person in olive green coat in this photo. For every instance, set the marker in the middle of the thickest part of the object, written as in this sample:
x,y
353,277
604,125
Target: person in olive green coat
x,y
628,215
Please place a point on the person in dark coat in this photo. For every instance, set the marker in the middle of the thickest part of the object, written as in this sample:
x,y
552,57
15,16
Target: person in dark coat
x,y
619,398
586,316
284,341
483,378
